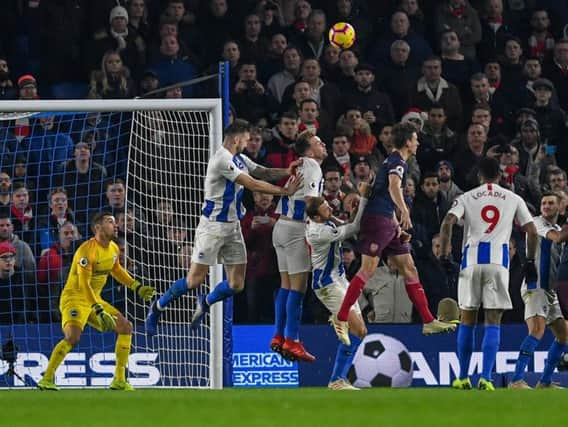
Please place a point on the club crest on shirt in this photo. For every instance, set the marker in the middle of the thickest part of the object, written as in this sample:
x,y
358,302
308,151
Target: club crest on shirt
x,y
83,262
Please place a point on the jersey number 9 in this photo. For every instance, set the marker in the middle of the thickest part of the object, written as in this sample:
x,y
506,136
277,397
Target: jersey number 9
x,y
490,214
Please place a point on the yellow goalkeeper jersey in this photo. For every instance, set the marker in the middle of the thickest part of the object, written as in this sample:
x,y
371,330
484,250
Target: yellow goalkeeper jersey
x,y
92,263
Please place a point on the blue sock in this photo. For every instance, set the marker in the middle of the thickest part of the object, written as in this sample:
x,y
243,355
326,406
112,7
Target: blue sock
x,y
355,341
280,311
178,288
554,352
293,314
219,293
489,347
466,342
528,347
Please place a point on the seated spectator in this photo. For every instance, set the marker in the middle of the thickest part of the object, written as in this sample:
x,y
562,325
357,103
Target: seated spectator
x,y
280,149
253,47
312,41
461,17
512,62
7,90
433,89
541,41
345,79
27,88
363,142
273,61
409,191
162,218
448,187
25,261
138,19
117,37
339,156
115,192
349,258
437,140
457,69
262,275
556,71
23,213
257,153
281,80
551,119
149,82
556,180
492,71
532,158
332,180
415,16
113,80
480,95
271,18
189,34
83,180
532,71
48,226
496,28
54,266
5,192
17,294
375,106
329,62
362,170
466,157
384,299
430,205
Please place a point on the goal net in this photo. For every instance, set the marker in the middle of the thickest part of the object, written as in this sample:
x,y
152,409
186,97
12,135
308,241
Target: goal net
x,y
146,164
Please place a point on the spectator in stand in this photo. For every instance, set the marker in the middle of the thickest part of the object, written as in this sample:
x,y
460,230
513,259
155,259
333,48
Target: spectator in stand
x,y
512,62
272,62
175,92
249,97
460,16
532,158
16,292
466,157
332,180
118,38
112,80
257,153
551,119
278,83
7,91
437,140
148,83
25,261
302,12
172,66
271,18
48,225
351,11
495,30
433,89
480,95
457,68
556,180
340,156
440,279
415,16
363,142
308,115
253,47
376,106
189,34
5,192
492,71
54,265
312,41
399,30
384,299
115,191
23,213
329,63
541,41
263,278
83,180
409,192
350,260
532,71
280,149
362,170
398,77
138,19
218,24
557,71
448,187
430,205
27,87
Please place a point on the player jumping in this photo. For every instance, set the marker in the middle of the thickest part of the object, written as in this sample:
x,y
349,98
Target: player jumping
x,y
382,235
328,278
541,302
81,301
289,240
218,234
488,212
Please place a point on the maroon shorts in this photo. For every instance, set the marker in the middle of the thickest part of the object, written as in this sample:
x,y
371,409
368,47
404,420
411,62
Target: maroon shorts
x,y
378,237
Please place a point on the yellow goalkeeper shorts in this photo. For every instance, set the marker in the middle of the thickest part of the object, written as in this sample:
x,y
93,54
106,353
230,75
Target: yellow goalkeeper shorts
x,y
78,312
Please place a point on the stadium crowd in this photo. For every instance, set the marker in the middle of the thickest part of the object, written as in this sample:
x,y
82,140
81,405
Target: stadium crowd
x,y
476,78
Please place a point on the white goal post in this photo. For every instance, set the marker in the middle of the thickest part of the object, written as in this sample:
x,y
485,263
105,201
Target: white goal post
x,y
170,139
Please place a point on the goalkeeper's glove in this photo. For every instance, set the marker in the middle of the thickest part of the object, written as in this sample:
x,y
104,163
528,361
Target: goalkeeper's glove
x,y
531,276
145,292
107,321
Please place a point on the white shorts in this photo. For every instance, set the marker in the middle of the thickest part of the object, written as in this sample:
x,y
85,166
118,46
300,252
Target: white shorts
x,y
289,240
541,303
218,242
484,285
332,296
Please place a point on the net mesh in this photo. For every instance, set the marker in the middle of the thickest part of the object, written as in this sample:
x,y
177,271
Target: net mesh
x,y
147,168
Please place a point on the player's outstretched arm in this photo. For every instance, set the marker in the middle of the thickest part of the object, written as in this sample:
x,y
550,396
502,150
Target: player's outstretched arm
x,y
274,174
446,233
253,184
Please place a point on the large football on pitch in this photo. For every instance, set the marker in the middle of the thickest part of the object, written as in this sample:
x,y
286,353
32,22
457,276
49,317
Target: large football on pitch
x,y
381,361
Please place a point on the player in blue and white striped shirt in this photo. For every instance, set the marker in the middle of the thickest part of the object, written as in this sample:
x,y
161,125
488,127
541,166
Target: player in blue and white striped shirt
x,y
541,302
218,235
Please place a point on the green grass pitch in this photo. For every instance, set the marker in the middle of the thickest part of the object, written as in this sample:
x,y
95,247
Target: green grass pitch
x,y
312,407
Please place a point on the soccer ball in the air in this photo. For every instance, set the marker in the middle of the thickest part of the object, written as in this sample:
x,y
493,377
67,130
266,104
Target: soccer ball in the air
x,y
342,35
381,361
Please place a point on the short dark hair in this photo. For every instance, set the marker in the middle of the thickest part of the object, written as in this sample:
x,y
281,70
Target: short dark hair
x,y
55,191
333,168
550,194
97,219
290,115
303,142
429,174
238,127
402,132
312,207
308,101
488,168
114,181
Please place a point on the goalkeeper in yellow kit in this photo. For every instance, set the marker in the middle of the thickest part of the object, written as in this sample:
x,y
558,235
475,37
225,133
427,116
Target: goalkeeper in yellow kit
x,y
81,301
